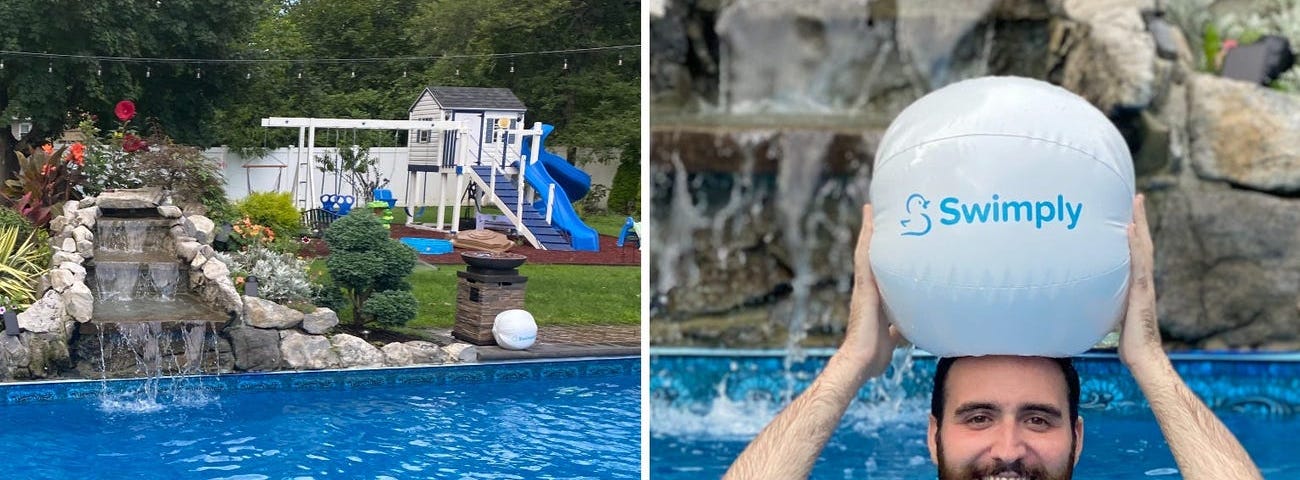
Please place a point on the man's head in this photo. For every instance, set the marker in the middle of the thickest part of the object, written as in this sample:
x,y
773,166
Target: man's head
x,y
1003,416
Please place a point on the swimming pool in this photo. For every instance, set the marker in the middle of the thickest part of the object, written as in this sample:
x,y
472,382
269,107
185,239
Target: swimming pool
x,y
555,419
707,405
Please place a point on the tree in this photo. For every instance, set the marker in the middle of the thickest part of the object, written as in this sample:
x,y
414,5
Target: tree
x,y
365,262
178,96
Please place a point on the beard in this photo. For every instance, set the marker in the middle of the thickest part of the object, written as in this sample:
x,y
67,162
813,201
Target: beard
x,y
1000,468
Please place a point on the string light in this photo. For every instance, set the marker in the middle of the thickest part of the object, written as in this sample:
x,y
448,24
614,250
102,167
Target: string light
x,y
300,75
457,72
620,60
403,73
566,63
198,73
512,66
99,71
147,71
51,68
248,76
2,64
354,74
302,61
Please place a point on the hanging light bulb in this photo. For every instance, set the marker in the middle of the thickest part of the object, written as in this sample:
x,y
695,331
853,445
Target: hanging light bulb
x,y
403,73
147,72
198,73
620,60
2,64
566,64
512,67
354,74
248,76
51,68
457,72
99,71
300,75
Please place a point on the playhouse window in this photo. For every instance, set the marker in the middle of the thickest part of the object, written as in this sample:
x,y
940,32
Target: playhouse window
x,y
425,135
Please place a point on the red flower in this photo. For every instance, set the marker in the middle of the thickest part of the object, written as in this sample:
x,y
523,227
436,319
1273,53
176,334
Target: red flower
x,y
48,149
78,153
124,110
132,143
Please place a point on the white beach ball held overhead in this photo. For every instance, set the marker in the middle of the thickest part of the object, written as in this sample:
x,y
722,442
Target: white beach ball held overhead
x,y
1001,207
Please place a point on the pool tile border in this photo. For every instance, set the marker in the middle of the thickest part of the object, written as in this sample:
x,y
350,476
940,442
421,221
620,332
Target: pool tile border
x,y
353,379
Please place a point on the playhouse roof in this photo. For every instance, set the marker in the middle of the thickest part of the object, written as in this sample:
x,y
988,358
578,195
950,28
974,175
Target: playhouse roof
x,y
475,98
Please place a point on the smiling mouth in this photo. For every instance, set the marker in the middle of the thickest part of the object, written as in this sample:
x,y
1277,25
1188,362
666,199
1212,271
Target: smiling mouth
x,y
1005,476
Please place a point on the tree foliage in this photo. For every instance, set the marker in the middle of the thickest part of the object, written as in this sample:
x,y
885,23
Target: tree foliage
x,y
364,262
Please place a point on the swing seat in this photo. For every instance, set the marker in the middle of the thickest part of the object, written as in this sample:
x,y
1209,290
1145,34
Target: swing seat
x,y
385,195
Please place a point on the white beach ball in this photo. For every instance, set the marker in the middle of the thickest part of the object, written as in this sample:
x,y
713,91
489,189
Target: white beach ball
x,y
1001,207
514,329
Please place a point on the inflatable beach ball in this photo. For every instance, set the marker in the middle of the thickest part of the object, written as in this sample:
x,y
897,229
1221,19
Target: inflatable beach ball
x,y
514,329
1001,208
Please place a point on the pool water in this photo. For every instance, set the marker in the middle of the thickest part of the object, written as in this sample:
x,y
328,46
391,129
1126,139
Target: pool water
x,y
545,420
706,409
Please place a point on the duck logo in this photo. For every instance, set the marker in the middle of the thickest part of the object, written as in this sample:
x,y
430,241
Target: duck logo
x,y
916,223
954,212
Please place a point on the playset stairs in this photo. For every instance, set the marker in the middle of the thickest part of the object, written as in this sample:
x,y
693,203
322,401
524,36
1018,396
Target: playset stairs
x,y
505,195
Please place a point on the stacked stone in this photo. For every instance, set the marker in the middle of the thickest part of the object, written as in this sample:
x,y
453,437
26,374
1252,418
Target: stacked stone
x,y
270,336
209,276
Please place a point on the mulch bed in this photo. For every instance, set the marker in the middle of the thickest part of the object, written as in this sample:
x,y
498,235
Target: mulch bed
x,y
610,253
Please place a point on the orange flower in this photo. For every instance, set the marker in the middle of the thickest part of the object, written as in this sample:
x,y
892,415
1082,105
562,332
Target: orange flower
x,y
78,153
48,149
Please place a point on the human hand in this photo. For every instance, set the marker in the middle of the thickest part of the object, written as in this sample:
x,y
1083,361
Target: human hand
x,y
1139,338
869,340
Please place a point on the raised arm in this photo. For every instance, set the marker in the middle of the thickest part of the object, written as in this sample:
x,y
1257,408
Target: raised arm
x,y
789,446
1201,444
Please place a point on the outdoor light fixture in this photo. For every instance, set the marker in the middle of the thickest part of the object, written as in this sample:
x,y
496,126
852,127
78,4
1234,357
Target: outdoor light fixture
x,y
250,286
11,321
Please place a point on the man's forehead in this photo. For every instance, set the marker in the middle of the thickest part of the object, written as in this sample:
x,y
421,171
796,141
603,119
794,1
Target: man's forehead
x,y
1005,381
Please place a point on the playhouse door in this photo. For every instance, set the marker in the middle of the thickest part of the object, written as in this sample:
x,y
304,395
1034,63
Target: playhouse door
x,y
474,134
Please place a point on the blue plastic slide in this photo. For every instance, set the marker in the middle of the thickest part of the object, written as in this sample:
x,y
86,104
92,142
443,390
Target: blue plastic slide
x,y
571,183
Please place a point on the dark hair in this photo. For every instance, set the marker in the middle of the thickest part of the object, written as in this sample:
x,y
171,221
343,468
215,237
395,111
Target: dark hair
x,y
937,398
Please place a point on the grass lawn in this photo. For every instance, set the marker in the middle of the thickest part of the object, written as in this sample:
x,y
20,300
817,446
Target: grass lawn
x,y
556,295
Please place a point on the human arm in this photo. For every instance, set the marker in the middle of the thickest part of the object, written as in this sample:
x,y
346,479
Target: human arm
x,y
1202,446
789,445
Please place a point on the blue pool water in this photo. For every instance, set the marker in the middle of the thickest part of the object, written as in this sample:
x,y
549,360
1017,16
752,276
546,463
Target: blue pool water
x,y
706,407
574,419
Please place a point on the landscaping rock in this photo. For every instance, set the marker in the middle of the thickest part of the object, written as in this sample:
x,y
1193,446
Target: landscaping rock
x,y
307,352
78,271
215,271
169,211
61,257
396,354
89,202
355,352
198,262
1109,57
70,208
226,297
49,354
426,352
263,313
462,352
137,198
58,223
86,248
82,234
188,249
199,227
1244,134
61,279
14,355
87,216
319,321
68,245
255,349
45,315
78,302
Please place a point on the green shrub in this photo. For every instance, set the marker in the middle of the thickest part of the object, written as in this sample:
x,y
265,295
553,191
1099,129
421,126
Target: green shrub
x,y
328,295
281,277
275,210
364,262
625,195
393,307
9,218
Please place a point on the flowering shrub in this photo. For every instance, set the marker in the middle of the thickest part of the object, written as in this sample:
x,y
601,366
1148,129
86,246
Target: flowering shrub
x,y
245,234
281,277
45,178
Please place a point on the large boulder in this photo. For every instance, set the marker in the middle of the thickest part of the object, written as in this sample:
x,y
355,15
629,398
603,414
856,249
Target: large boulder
x,y
262,313
426,352
136,198
15,357
45,315
461,353
49,354
1245,134
255,349
355,352
319,321
78,302
1227,266
396,354
86,217
1106,54
307,352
